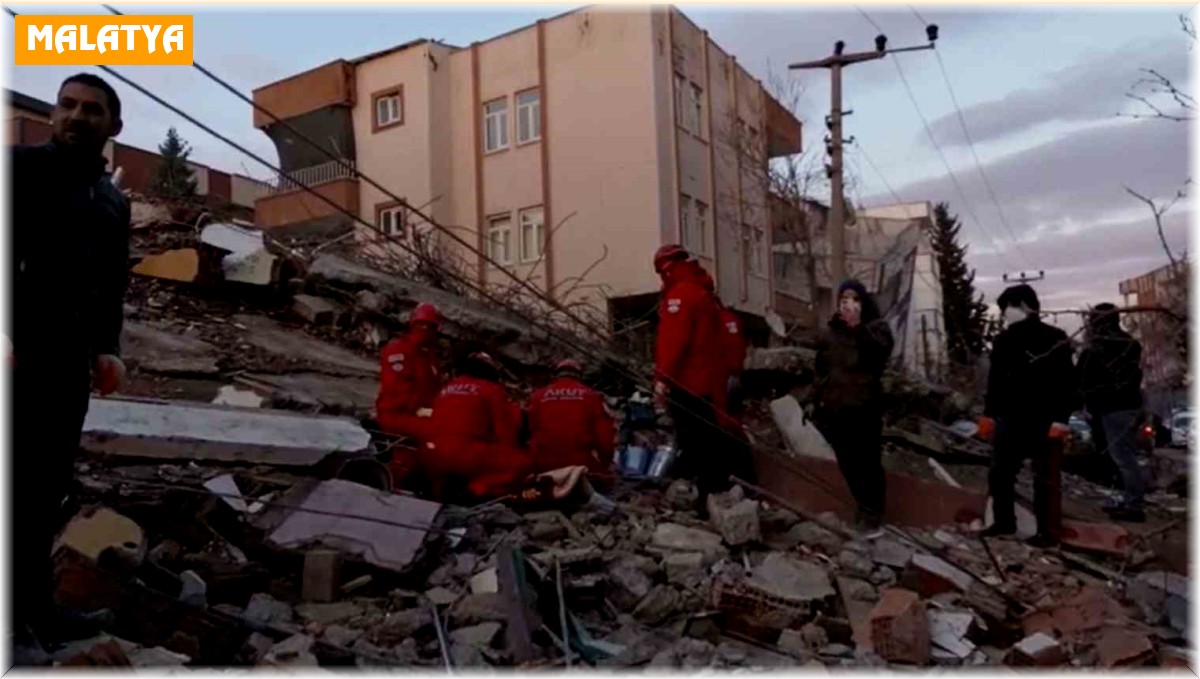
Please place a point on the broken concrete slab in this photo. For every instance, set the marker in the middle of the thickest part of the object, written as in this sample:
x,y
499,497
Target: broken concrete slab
x,y
812,534
474,609
674,537
382,537
329,613
295,651
298,347
931,575
230,395
313,390
485,581
157,657
948,631
194,591
791,579
628,584
96,529
248,260
181,265
858,590
735,518
1120,647
316,310
475,637
1037,650
684,568
900,627
440,596
1162,597
164,430
154,350
891,552
341,636
264,609
855,563
802,437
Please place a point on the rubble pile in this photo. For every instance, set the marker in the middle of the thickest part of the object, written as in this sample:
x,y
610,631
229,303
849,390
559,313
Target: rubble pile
x,y
240,570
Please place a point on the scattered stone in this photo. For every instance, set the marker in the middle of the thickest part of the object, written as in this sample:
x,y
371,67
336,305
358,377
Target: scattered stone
x,y
397,627
837,651
1124,648
792,579
295,651
263,609
734,517
327,614
674,537
485,582
884,577
891,552
930,575
315,310
855,563
479,636
814,535
474,609
194,591
686,653
900,627
658,605
792,640
1162,598
257,645
341,636
628,583
681,495
440,596
1037,650
684,568
814,636
858,590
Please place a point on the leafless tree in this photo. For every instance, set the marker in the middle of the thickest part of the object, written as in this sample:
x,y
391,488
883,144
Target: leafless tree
x,y
1173,104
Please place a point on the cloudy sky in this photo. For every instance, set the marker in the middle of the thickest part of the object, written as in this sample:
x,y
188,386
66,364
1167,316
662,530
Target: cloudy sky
x,y
1040,90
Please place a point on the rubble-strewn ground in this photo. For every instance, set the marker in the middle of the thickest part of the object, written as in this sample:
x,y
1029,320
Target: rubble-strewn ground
x,y
188,555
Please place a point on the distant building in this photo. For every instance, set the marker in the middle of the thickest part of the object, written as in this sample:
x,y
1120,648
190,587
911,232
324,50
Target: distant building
x,y
29,123
1165,378
611,125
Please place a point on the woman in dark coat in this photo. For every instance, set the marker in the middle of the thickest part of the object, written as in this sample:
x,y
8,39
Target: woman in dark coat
x,y
849,395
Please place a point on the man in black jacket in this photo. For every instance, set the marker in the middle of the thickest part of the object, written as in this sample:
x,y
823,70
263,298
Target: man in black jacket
x,y
1031,385
70,251
1110,381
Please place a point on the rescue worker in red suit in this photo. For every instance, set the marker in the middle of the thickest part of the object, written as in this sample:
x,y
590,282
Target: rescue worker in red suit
x,y
408,376
732,347
688,368
568,424
475,430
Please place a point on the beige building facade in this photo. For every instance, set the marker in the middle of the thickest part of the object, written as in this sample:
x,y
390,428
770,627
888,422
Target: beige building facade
x,y
574,146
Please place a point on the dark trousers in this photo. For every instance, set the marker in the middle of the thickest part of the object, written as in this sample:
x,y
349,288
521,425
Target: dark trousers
x,y
1015,440
855,434
50,401
707,452
1120,436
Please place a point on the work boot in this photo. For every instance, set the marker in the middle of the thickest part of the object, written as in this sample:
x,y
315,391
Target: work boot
x,y
1126,514
997,530
1043,541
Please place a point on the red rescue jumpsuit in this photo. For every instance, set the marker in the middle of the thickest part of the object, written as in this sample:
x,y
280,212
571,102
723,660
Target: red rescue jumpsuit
x,y
475,430
408,382
732,350
569,426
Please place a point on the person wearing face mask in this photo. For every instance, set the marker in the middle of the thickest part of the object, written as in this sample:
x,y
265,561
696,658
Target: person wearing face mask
x,y
848,395
1031,386
408,376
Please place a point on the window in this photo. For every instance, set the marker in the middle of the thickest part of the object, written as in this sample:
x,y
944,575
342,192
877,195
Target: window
x,y
758,262
500,239
685,221
747,256
391,221
701,228
532,234
388,109
495,125
529,116
680,101
695,108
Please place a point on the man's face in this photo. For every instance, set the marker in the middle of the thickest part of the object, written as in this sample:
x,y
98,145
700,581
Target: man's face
x,y
82,118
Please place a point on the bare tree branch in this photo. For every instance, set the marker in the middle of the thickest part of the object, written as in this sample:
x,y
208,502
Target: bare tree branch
x,y
1158,211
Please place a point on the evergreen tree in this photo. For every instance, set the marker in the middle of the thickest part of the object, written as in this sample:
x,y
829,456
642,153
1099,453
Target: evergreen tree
x,y
174,180
965,314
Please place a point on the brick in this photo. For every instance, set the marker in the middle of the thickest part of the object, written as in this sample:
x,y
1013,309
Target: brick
x,y
1105,538
900,627
322,575
1037,650
931,576
1123,648
1088,610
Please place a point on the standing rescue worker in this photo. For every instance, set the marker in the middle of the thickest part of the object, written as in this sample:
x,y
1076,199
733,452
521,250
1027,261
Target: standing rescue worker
x,y
688,367
569,425
475,432
1110,381
848,396
1031,386
70,259
732,343
408,376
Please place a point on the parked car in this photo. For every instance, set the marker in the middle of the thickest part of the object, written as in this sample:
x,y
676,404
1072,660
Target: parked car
x,y
1182,423
1081,436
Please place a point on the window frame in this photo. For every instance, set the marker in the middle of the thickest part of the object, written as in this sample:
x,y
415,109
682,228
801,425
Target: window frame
x,y
702,211
492,222
540,232
397,208
535,121
397,92
696,107
680,94
502,129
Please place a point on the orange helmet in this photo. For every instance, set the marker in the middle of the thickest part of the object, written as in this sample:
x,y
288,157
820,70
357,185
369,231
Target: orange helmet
x,y
425,313
669,253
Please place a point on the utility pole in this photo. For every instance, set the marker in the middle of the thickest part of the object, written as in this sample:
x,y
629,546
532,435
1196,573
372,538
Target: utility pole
x,y
1022,278
833,142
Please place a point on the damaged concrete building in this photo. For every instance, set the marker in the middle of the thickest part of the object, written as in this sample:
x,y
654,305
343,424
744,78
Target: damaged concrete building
x,y
568,151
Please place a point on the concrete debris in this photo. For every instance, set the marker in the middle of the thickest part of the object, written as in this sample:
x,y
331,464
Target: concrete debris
x,y
674,537
388,536
900,628
890,552
948,632
321,577
1037,650
248,260
1162,598
440,596
792,579
341,636
931,575
816,536
681,495
157,657
468,644
157,429
855,563
316,310
484,582
658,605
194,591
295,651
1123,648
181,265
858,590
230,395
98,529
628,583
802,437
329,613
263,609
684,568
686,653
150,349
735,518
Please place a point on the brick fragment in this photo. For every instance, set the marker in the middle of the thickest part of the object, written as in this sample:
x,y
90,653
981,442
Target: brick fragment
x,y
900,627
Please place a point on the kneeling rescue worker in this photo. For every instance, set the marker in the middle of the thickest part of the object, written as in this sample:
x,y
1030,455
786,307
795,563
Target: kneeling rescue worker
x,y
475,430
569,425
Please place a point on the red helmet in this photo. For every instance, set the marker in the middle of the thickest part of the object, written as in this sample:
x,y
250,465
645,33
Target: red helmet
x,y
425,313
566,365
669,253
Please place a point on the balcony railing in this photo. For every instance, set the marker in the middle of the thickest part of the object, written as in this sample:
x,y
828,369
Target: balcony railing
x,y
313,175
